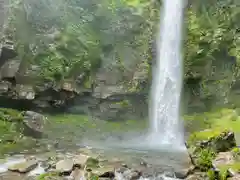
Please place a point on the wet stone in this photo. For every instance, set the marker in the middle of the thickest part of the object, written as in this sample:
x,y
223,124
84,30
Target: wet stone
x,y
77,174
64,166
80,160
24,167
104,172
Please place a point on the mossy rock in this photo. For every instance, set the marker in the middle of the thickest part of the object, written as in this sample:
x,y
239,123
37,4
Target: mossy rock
x,y
215,139
92,162
11,137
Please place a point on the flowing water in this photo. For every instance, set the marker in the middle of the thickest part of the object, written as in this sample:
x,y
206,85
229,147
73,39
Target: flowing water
x,y
165,123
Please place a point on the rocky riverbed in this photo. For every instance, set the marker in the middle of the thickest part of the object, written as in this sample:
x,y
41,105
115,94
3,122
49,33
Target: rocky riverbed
x,y
35,146
85,163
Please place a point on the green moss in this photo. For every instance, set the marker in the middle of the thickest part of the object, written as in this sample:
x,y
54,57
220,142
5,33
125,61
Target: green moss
x,y
92,163
124,103
47,176
236,152
87,122
88,83
94,177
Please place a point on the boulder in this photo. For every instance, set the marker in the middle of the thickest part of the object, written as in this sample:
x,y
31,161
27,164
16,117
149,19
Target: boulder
x,y
222,159
9,69
25,92
33,124
7,52
65,166
80,160
24,167
197,176
4,87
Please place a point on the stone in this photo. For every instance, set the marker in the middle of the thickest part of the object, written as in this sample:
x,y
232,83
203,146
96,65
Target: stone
x,y
9,69
80,160
25,92
64,166
4,86
7,52
24,167
33,123
77,174
183,173
197,176
104,172
128,174
68,86
222,159
235,177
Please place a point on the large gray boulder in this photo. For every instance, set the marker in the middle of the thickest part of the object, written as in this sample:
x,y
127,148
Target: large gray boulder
x,y
33,124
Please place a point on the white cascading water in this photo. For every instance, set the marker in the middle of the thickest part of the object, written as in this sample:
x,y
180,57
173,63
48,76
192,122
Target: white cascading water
x,y
165,123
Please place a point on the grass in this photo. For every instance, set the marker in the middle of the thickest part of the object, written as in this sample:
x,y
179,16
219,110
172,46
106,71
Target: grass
x,y
219,120
86,122
74,126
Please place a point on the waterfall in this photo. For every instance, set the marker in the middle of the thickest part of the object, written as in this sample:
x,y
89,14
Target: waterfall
x,y
165,123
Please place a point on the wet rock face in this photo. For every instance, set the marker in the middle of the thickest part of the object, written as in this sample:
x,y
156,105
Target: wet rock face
x,y
33,124
6,51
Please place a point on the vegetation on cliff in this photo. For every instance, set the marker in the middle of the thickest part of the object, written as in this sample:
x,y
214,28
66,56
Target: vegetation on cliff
x,y
76,39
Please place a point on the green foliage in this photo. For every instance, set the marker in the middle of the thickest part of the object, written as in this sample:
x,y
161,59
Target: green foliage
x,y
10,115
75,38
211,174
204,159
211,47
